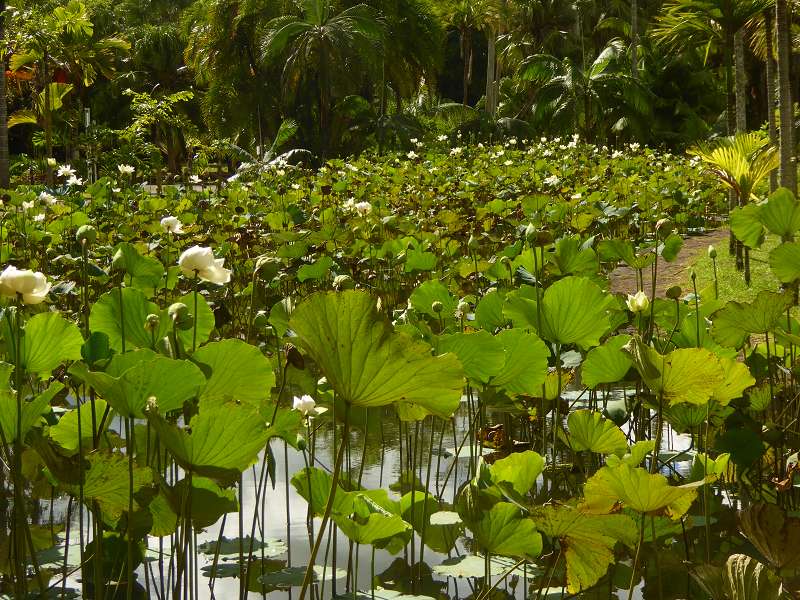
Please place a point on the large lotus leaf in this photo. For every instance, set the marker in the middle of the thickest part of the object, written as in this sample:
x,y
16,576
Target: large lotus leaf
x,y
588,430
689,375
481,354
572,257
236,371
489,311
106,481
574,311
209,501
736,380
165,520
122,312
316,270
205,321
65,432
519,307
637,489
422,511
784,260
774,533
32,410
314,486
48,340
635,455
703,466
222,440
587,539
732,324
504,530
146,273
607,363
525,366
171,382
431,291
616,250
781,213
746,225
520,469
367,363
742,578
371,523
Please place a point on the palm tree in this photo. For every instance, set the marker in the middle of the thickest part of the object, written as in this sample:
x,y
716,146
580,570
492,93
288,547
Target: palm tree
x,y
788,168
322,50
586,100
4,160
741,162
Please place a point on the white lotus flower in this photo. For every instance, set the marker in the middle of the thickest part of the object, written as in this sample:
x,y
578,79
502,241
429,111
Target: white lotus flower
x,y
26,206
65,171
412,155
363,208
51,162
48,199
31,286
639,302
442,138
126,169
74,181
195,179
39,218
305,404
171,225
200,262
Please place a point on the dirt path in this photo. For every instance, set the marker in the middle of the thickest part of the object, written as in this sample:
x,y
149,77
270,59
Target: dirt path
x,y
623,279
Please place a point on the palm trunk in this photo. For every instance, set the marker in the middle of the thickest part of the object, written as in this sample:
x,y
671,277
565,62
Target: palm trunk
x,y
742,253
635,39
48,121
788,169
465,56
730,117
491,63
770,74
4,159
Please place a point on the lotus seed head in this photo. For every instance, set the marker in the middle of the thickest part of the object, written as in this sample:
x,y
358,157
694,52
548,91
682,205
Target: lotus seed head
x,y
437,307
86,234
712,252
152,322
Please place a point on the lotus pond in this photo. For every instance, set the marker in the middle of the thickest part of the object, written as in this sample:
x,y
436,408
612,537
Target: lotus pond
x,y
400,377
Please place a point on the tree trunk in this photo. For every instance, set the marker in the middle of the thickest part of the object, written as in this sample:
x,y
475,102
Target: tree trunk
x,y
466,58
635,39
491,64
788,169
4,159
730,118
48,121
741,84
769,34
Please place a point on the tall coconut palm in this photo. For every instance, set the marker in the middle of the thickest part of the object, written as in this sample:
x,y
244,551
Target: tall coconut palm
x,y
322,50
788,168
4,160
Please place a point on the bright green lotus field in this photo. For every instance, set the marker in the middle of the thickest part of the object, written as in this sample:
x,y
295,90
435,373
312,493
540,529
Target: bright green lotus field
x,y
402,377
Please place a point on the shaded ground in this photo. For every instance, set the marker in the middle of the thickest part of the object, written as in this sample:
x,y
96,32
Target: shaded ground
x,y
624,279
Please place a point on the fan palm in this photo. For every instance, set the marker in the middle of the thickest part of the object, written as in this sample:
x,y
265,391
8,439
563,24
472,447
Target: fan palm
x,y
741,162
323,50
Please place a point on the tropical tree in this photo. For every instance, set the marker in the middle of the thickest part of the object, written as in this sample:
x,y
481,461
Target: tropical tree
x,y
4,159
325,51
591,100
788,168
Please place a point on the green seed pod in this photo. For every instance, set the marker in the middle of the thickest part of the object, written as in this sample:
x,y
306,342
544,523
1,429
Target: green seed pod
x,y
473,243
86,235
261,319
675,292
712,252
437,307
180,315
343,282
530,233
151,322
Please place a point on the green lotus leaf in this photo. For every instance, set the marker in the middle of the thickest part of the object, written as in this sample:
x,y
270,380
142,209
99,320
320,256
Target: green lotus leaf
x,y
774,533
419,508
32,410
686,418
235,371
468,565
209,501
222,440
741,578
635,455
65,432
670,247
418,259
781,213
279,316
123,312
371,523
587,540
574,311
737,379
573,257
171,382
746,225
525,366
431,291
637,489
106,482
481,354
504,530
489,311
703,466
588,430
520,469
367,363
294,576
48,340
145,272
226,546
784,260
316,270
732,324
165,521
615,250
607,363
